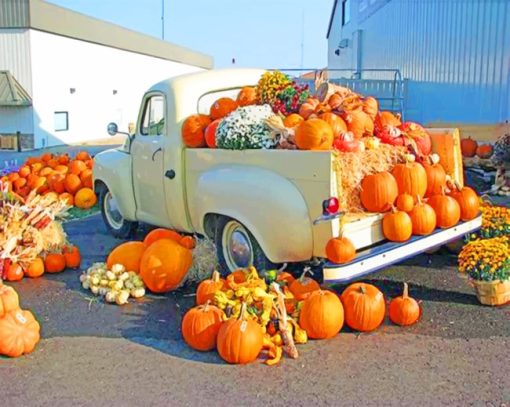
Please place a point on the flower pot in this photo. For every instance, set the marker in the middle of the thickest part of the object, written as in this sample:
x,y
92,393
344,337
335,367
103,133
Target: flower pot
x,y
492,292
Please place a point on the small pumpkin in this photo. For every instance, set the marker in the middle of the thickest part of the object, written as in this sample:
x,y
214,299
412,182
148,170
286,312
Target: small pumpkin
x,y
67,198
484,151
308,107
161,233
164,265
129,254
85,198
359,123
285,277
411,178
386,118
468,201
378,192
9,299
72,183
292,120
364,307
193,130
340,250
405,202
83,156
19,333
210,133
222,107
188,242
468,147
24,171
371,106
54,263
14,272
35,269
404,310
436,176
207,288
247,96
397,226
423,218
336,122
86,178
72,256
240,340
314,134
322,315
303,286
76,167
200,326
447,210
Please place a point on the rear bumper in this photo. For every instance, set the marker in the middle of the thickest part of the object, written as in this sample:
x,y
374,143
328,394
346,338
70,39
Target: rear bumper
x,y
382,255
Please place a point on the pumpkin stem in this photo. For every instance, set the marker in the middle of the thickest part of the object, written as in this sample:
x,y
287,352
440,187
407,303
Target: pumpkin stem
x,y
405,294
393,209
283,267
206,305
215,276
242,312
362,289
306,270
457,185
418,198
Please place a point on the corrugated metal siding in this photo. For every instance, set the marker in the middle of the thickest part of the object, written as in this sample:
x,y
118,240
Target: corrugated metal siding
x,y
14,13
456,54
15,55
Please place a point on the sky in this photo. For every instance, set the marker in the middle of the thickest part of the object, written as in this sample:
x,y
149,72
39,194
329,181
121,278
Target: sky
x,y
257,33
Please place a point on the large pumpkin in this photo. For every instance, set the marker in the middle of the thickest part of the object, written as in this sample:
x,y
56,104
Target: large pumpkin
x,y
19,333
240,340
404,310
378,192
164,265
222,107
193,130
129,254
200,326
411,179
447,210
359,123
336,122
468,200
247,96
314,134
85,198
436,178
371,106
386,118
72,183
207,288
161,233
322,315
468,147
364,307
340,250
423,218
397,226
9,300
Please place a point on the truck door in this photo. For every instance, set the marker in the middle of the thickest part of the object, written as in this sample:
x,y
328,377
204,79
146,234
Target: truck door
x,y
147,155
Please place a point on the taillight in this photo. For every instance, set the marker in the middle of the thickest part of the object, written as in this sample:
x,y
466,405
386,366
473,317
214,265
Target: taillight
x,y
330,206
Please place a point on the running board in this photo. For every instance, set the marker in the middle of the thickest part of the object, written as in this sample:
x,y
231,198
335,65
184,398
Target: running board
x,y
382,255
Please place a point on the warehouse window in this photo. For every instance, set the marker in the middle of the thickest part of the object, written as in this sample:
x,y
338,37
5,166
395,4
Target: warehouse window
x,y
346,11
153,122
61,121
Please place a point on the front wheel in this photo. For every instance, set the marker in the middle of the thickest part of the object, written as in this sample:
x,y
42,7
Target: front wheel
x,y
237,248
115,223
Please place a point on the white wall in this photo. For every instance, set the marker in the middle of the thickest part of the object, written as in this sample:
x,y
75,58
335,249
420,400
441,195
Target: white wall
x,y
60,63
15,55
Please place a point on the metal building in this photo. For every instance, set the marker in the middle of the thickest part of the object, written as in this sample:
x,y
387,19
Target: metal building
x,y
453,56
64,75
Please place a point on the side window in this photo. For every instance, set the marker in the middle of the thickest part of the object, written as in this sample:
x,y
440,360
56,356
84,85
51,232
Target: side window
x,y
153,123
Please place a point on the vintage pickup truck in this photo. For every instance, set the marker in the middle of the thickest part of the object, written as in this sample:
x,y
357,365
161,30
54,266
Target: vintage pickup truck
x,y
258,206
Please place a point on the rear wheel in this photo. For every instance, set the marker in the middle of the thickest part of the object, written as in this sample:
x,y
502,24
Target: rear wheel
x,y
115,223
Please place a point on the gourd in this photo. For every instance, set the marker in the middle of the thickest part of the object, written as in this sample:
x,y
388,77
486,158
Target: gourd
x,y
404,310
371,107
200,326
9,300
314,134
129,254
378,192
247,96
161,233
340,250
359,123
72,183
210,133
386,118
405,203
436,176
308,108
336,122
19,333
364,307
322,315
35,269
397,226
292,120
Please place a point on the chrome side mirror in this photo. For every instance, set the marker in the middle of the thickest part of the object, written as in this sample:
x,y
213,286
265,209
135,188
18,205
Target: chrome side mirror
x,y
112,129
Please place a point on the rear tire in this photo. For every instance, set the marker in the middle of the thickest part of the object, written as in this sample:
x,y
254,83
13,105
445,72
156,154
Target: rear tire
x,y
116,225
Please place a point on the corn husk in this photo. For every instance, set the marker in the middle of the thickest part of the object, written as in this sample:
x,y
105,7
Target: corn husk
x,y
204,261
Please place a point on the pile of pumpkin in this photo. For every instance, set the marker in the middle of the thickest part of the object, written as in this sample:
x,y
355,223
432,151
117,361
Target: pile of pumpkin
x,y
66,178
19,330
416,197
243,315
470,148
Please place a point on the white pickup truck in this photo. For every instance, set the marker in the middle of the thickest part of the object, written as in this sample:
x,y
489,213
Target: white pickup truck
x,y
258,206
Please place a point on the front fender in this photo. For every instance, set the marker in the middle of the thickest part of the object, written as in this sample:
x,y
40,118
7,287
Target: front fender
x,y
269,205
113,168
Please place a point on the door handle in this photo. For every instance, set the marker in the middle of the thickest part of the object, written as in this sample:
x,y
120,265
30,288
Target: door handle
x,y
170,174
157,151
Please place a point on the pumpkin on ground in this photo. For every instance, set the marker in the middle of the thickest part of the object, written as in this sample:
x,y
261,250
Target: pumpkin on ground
x,y
72,256
378,192
14,272
468,147
161,233
322,315
200,326
405,203
423,218
364,307
411,179
314,134
85,198
222,107
484,151
207,288
397,226
240,340
164,265
340,250
54,263
303,286
468,201
404,310
9,300
447,210
188,242
193,130
35,269
247,96
129,254
19,333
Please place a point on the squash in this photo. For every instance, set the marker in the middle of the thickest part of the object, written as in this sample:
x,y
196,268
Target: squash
x,y
19,333
72,183
314,134
371,107
397,226
468,147
404,310
129,254
322,315
200,326
423,218
35,269
76,167
193,130
378,192
436,176
348,144
222,107
364,307
386,118
207,288
340,250
13,272
292,120
9,299
308,107
161,233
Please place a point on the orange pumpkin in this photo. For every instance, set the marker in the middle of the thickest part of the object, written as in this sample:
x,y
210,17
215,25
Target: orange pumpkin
x,y
63,159
46,171
85,198
303,286
364,307
405,203
285,277
76,167
35,269
52,163
24,171
129,254
340,250
86,178
161,233
240,340
193,130
72,256
222,107
397,226
423,218
19,183
447,210
210,133
336,122
314,134
13,176
322,315
54,263
188,242
14,272
404,310
200,326
436,178
72,183
359,124
411,179
164,265
46,157
378,192
83,156
234,278
308,107
468,147
67,197
386,118
62,169
468,201
484,151
371,107
9,300
207,288
292,120
246,96
19,333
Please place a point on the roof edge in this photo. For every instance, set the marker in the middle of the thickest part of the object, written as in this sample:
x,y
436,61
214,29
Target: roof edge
x,y
331,18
